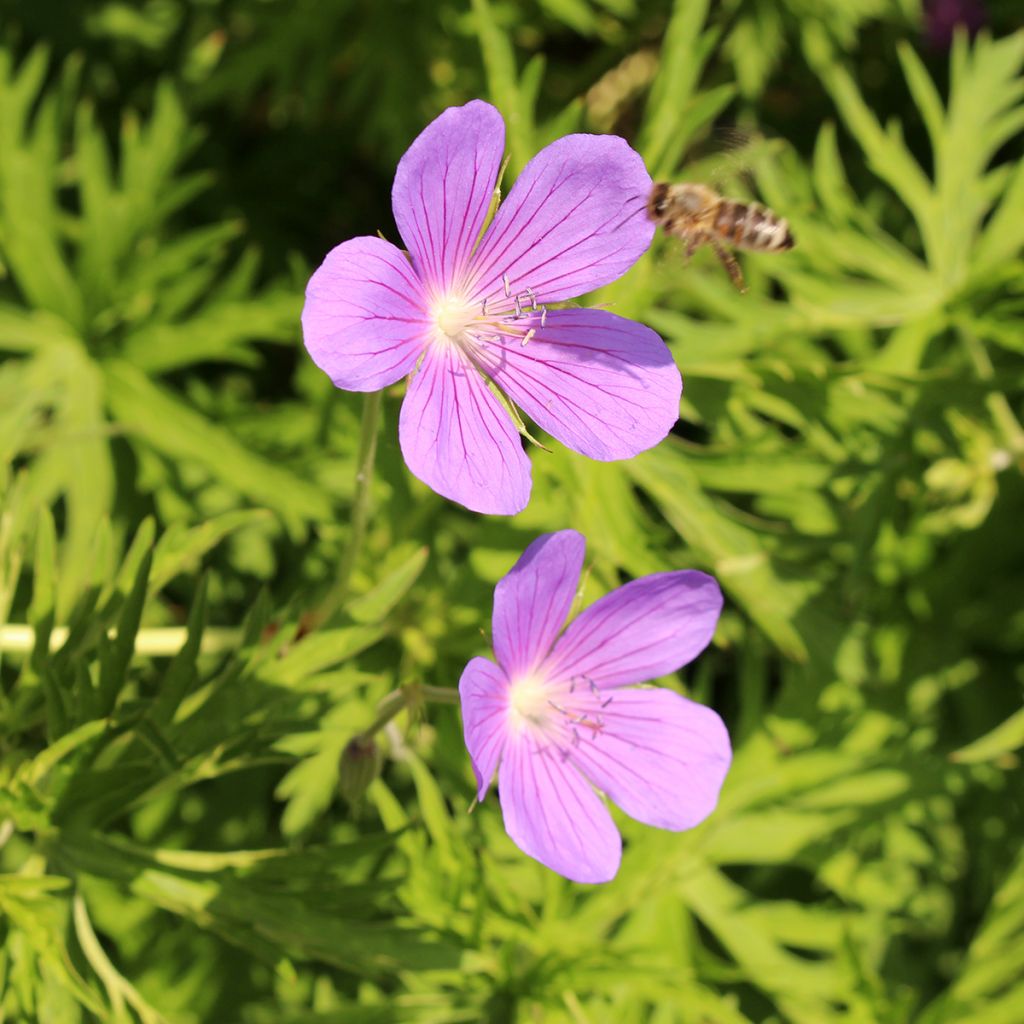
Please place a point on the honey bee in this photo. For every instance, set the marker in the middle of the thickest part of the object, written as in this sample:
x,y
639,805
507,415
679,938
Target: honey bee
x,y
699,215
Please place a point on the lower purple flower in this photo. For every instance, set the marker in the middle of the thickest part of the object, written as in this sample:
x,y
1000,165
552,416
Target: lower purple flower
x,y
552,717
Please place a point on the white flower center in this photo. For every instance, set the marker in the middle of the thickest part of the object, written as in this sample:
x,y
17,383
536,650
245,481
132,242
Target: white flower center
x,y
528,702
453,315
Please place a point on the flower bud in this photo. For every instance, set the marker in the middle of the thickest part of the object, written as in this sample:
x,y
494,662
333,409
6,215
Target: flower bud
x,y
359,766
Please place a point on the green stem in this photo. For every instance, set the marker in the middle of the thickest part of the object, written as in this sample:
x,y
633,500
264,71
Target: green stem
x,y
406,696
392,704
339,593
157,642
440,694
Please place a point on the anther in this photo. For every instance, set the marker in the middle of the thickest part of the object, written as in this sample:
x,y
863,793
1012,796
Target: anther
x,y
519,308
529,334
508,287
533,298
605,703
483,307
544,316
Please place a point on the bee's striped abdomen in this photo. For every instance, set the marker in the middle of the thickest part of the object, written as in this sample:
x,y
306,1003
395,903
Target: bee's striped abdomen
x,y
752,226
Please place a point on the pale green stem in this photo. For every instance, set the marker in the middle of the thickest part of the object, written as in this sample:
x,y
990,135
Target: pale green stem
x,y
440,694
402,698
390,706
339,593
157,642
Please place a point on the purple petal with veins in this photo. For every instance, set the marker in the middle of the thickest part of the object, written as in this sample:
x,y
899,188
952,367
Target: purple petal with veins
x,y
443,188
458,440
364,321
604,386
483,690
532,602
645,629
574,221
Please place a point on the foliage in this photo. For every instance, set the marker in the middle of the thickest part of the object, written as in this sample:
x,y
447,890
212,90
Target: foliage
x,y
176,486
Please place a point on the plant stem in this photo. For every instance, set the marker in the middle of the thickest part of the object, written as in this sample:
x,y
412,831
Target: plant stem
x,y
157,642
440,694
339,593
408,696
392,704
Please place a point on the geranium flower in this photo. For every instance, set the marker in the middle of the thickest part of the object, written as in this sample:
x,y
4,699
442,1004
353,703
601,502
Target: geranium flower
x,y
553,717
464,308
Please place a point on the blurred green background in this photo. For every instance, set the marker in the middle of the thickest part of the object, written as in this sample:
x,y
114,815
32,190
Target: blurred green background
x,y
176,482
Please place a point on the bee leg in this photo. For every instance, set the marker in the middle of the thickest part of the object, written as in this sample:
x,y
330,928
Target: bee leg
x,y
693,244
729,262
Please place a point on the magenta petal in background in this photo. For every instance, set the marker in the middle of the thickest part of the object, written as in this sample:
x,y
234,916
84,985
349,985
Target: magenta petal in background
x,y
643,630
443,187
483,690
574,221
364,321
602,385
552,813
458,440
660,757
532,602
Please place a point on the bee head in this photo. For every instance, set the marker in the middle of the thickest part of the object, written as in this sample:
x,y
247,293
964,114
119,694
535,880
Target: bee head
x,y
658,203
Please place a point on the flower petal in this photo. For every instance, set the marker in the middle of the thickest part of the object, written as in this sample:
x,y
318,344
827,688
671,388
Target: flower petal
x,y
602,385
643,630
532,602
553,815
457,438
660,757
364,321
483,690
443,188
575,220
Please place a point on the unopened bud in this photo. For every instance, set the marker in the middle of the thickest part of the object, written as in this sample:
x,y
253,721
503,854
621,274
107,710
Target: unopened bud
x,y
359,766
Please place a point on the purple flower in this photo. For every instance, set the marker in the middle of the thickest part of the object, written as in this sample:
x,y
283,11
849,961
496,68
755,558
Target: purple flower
x,y
554,720
943,17
468,306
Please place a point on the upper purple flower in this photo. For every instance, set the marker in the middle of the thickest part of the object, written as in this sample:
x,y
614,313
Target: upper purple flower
x,y
551,716
468,305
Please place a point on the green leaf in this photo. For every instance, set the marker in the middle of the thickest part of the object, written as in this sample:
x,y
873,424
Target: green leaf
x,y
155,416
399,573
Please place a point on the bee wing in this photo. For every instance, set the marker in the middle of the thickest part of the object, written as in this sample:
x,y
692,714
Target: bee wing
x,y
730,159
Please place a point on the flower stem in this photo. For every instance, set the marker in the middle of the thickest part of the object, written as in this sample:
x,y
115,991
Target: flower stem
x,y
339,593
408,696
440,694
156,642
390,706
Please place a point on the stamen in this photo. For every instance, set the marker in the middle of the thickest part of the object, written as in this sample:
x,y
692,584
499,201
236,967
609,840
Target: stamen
x,y
544,316
519,308
533,299
483,307
508,287
526,341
